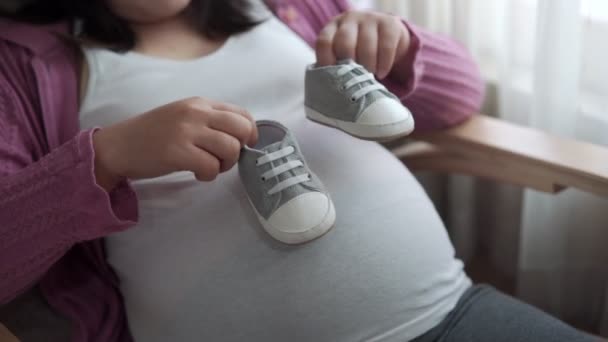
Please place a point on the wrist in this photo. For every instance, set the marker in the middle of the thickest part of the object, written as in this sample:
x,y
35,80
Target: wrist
x,y
106,175
403,68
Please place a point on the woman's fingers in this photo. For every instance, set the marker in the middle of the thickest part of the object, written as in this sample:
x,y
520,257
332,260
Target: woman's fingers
x,y
236,125
375,40
367,47
345,40
388,43
205,166
227,107
222,146
338,40
225,129
325,45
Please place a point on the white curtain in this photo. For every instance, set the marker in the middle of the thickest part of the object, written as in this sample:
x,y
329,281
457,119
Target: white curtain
x,y
545,62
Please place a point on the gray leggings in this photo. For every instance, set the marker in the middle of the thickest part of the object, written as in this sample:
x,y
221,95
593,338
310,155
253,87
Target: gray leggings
x,y
484,314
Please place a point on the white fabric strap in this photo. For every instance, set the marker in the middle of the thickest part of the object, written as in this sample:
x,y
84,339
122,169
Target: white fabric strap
x,y
281,169
358,79
366,77
346,68
270,157
288,183
366,90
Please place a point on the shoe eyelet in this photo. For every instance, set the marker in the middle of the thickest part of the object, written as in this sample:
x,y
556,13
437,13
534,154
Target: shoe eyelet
x,y
263,179
343,88
352,99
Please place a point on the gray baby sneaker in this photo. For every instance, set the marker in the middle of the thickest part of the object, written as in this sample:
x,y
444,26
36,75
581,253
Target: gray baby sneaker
x,y
289,200
348,97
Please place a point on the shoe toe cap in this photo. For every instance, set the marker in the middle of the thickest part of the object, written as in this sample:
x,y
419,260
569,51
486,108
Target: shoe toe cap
x,y
385,111
301,214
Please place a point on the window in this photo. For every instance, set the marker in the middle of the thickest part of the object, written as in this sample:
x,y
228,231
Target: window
x,y
503,36
595,9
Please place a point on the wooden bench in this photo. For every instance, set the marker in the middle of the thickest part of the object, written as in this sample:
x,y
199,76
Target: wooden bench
x,y
496,150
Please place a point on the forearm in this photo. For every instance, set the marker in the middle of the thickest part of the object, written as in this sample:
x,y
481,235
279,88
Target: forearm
x,y
103,176
438,81
50,205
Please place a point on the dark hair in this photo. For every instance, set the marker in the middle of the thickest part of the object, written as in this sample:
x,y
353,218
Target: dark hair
x,y
214,18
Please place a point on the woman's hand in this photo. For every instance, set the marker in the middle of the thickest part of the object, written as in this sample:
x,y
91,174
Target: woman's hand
x,y
375,40
195,134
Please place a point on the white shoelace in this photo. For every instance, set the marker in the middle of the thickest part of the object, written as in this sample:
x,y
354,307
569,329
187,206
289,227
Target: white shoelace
x,y
282,168
367,76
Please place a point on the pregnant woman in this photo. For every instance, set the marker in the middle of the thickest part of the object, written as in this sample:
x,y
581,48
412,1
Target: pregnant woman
x,y
119,199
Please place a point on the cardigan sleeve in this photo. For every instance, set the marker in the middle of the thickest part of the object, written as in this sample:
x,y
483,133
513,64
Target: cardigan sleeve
x,y
48,201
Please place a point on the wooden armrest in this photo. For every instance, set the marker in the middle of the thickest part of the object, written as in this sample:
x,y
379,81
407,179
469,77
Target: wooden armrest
x,y
494,149
6,335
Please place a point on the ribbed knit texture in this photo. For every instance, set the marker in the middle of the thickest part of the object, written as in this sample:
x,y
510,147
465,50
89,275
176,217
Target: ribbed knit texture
x,y
49,201
53,214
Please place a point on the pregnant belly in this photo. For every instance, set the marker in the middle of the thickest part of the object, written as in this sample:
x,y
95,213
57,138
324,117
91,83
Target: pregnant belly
x,y
199,267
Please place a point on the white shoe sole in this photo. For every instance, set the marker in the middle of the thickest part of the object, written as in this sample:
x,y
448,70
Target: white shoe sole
x,y
302,237
365,132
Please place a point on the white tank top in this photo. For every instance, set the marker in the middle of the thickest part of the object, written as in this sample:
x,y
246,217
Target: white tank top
x,y
198,266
